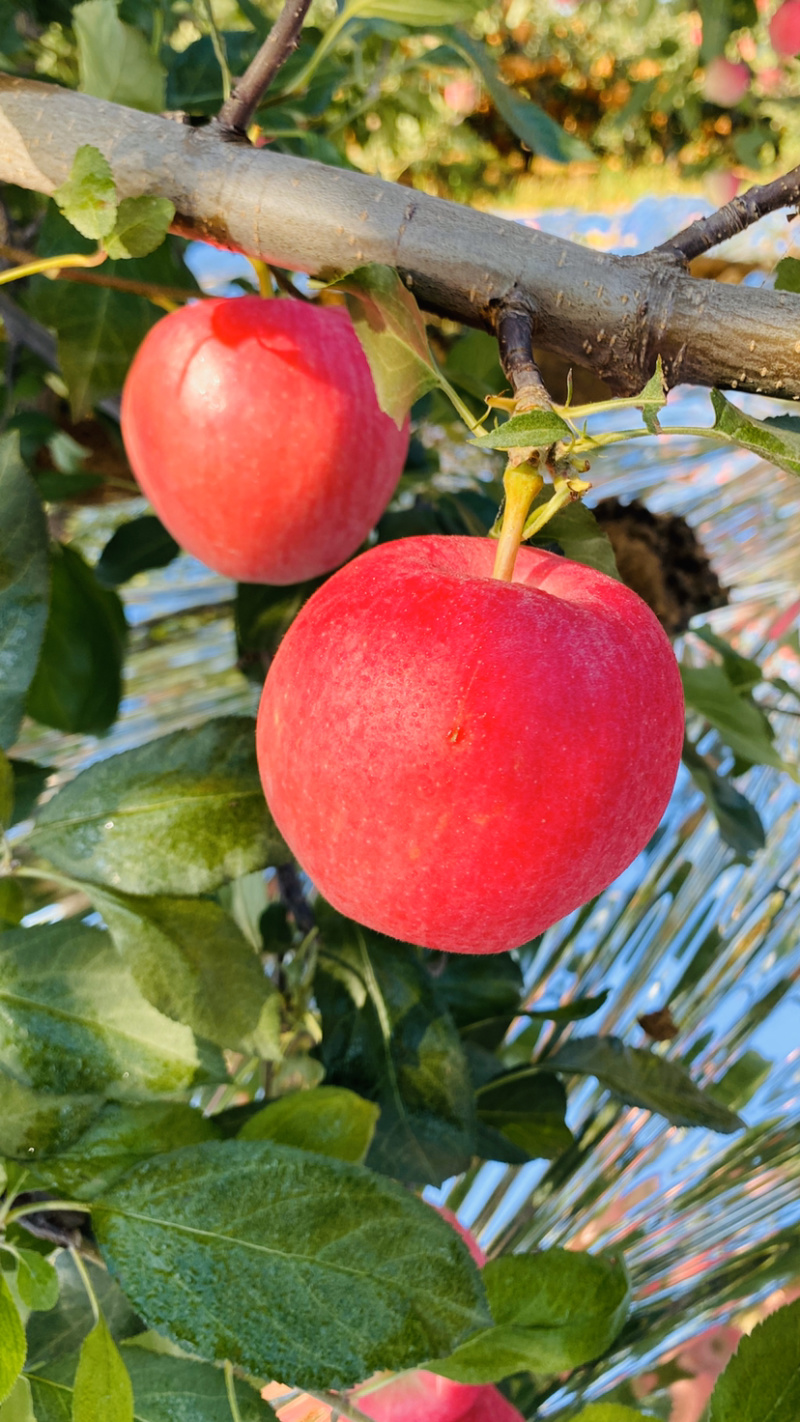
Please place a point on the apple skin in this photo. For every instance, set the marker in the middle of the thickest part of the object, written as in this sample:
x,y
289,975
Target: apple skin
x,y
253,428
459,762
726,83
784,29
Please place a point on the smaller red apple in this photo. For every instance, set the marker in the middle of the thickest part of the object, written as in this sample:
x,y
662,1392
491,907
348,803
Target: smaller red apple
x,y
254,430
784,29
726,83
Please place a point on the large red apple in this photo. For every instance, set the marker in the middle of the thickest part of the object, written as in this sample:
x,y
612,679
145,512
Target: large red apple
x,y
458,761
784,29
253,428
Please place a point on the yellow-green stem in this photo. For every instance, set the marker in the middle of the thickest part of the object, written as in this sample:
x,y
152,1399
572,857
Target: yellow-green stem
x,y
52,264
521,484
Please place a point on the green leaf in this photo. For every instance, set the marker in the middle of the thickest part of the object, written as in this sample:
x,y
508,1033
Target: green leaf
x,y
528,1110
553,1311
190,961
742,1080
538,428
762,1380
78,682
103,1391
205,1242
391,329
329,1120
114,59
29,782
73,1020
59,1332
641,1078
24,585
118,1139
482,994
739,822
37,1281
12,1336
537,130
6,792
12,903
741,724
165,1389
787,277
742,672
653,398
194,80
141,226
423,14
576,530
179,815
386,1037
34,1124
770,439
18,1406
88,199
135,547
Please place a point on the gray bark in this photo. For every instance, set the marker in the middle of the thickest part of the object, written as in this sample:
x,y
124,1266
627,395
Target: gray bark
x,y
612,314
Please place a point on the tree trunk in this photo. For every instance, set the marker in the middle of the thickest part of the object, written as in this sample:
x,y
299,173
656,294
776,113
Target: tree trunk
x,y
612,314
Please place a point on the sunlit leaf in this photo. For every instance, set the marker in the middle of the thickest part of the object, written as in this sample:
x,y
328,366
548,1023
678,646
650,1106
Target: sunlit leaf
x,y
141,226
391,329
114,59
88,199
329,1120
103,1391
12,1337
762,1380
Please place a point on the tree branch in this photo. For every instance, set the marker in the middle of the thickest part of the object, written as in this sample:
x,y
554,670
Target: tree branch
x,y
734,217
613,314
515,325
237,112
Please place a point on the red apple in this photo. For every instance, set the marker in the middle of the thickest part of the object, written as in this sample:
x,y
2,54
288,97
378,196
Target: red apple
x,y
726,83
419,1395
253,428
457,761
784,29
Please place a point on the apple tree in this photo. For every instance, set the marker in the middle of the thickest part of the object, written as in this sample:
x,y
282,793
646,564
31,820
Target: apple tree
x,y
220,1102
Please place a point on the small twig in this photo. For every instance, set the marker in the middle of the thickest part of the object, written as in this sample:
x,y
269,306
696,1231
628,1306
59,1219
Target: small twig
x,y
153,291
237,112
293,897
515,325
734,217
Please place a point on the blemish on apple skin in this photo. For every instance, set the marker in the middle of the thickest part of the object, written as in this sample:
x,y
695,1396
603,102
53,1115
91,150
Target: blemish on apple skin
x,y
456,734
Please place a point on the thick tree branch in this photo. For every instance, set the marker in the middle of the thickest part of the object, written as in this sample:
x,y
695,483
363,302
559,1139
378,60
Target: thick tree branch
x,y
734,217
237,112
613,314
515,325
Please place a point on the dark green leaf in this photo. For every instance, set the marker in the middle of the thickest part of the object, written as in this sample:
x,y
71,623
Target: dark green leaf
x,y
39,1123
12,1338
141,226
777,443
739,822
386,1037
88,199
37,1281
391,329
191,961
78,682
641,1078
263,614
537,130
6,792
135,547
73,1020
29,782
119,1138
165,1389
574,1011
12,903
538,428
24,585
115,60
329,1120
762,1381
478,992
742,672
742,1080
59,1332
741,724
103,1391
179,815
205,1243
194,81
552,1311
528,1110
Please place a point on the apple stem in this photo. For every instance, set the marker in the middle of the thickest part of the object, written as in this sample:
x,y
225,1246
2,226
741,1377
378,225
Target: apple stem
x,y
521,483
